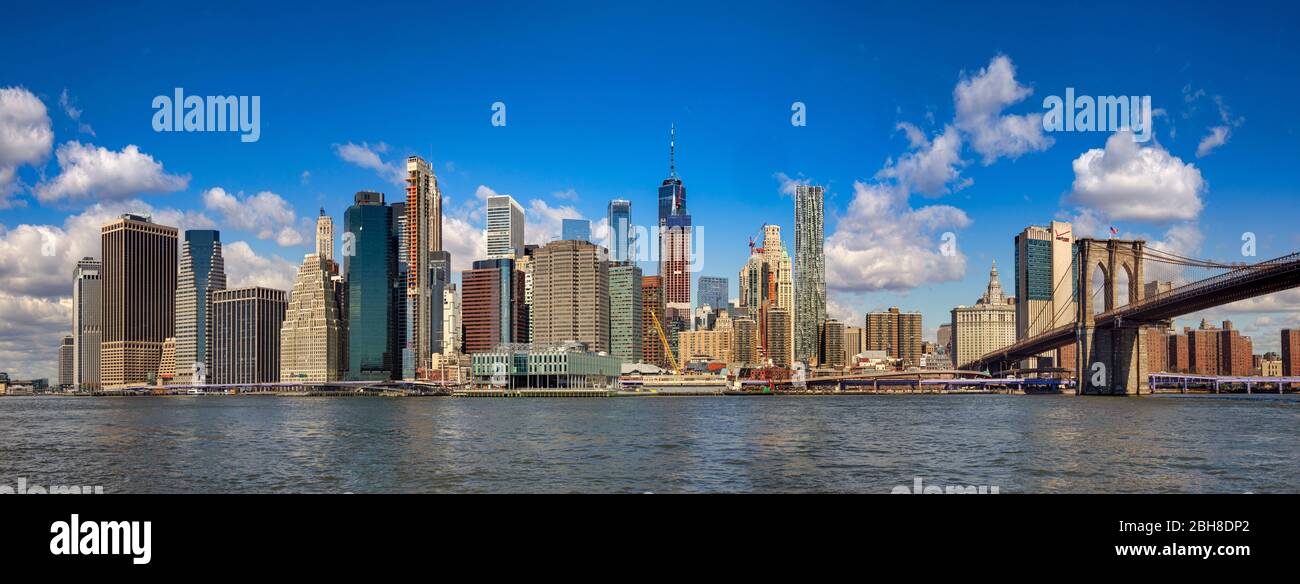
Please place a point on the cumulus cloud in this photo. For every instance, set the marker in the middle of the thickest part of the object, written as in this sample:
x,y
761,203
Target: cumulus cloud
x,y
25,137
789,184
932,167
88,172
265,214
366,156
1217,137
245,268
30,334
980,100
566,195
544,223
882,243
465,241
1126,181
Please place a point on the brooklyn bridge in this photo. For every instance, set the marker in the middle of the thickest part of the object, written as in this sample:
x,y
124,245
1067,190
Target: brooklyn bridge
x,y
1105,336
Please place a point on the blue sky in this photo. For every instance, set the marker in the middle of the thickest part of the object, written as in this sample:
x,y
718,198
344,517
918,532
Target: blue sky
x,y
590,91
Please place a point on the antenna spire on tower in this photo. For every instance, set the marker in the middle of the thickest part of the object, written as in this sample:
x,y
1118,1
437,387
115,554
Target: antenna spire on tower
x,y
672,151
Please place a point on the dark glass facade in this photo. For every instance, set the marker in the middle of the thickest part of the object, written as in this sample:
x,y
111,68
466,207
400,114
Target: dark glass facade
x,y
370,263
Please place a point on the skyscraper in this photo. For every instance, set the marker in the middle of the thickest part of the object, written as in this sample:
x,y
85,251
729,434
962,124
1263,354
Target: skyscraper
x,y
626,318
620,231
571,294
402,304
85,324
766,282
492,305
809,270
674,246
246,326
137,299
423,238
325,236
745,343
505,227
778,336
713,292
576,229
370,262
451,321
310,336
832,345
1045,285
202,272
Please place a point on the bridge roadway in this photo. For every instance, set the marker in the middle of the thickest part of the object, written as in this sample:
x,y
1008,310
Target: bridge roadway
x,y
1239,284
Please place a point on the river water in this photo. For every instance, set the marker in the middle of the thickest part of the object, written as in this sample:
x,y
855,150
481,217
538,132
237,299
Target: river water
x,y
868,444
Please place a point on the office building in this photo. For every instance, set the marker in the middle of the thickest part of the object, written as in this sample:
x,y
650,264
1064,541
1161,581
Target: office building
x,y
66,357
246,325
809,271
85,324
626,316
571,295
492,305
652,309
505,227
852,343
137,298
538,366
621,231
575,230
451,322
674,248
713,292
202,272
1044,286
312,334
423,239
987,326
370,263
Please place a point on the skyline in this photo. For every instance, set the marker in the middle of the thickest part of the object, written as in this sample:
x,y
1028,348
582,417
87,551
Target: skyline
x,y
943,124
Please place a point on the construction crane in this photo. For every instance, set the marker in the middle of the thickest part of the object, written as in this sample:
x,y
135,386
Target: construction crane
x,y
672,360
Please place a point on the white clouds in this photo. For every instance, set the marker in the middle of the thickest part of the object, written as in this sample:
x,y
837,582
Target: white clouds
x,y
74,113
544,223
465,241
932,168
90,172
979,102
884,244
1217,137
788,184
1128,182
483,192
566,195
366,156
25,136
246,268
30,333
265,214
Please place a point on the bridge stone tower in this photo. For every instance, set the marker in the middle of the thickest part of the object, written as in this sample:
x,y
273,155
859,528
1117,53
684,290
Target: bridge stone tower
x,y
1111,360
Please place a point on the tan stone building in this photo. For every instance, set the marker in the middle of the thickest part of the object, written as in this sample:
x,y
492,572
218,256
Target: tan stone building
x,y
571,295
987,326
310,336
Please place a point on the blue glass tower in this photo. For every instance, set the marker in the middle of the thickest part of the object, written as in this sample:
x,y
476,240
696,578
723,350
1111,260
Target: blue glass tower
x,y
713,292
370,262
620,230
576,230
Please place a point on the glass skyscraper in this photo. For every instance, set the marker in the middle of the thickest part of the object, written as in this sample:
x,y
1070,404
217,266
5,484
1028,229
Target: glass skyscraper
x,y
620,231
713,292
202,272
576,230
370,263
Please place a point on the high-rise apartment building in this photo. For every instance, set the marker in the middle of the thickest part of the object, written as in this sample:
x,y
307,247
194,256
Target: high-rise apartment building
x,y
809,271
505,227
1291,352
137,298
85,324
744,342
852,343
832,345
423,238
571,295
492,305
987,326
652,308
246,335
1045,286
202,272
779,345
713,292
370,262
451,323
621,231
896,333
575,229
626,317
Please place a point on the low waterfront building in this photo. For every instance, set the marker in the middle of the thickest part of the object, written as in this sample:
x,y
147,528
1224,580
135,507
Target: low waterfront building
x,y
537,366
